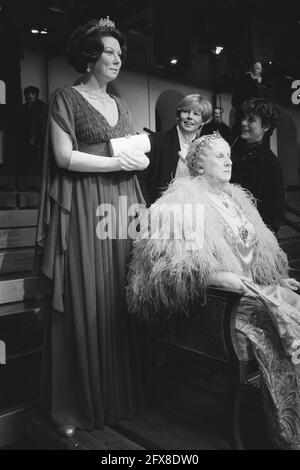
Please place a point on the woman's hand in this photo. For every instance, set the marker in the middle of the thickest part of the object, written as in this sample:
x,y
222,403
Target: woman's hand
x,y
229,281
290,283
133,160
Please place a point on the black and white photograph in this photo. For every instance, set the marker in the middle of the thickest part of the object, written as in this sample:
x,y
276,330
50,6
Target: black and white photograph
x,y
149,228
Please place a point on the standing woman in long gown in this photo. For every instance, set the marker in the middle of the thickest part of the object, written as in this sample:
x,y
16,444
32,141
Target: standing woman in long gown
x,y
88,375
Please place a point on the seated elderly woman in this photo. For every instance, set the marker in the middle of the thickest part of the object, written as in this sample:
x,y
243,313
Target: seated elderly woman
x,y
216,237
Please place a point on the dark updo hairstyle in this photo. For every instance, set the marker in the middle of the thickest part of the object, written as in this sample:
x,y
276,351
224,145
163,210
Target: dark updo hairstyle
x,y
85,45
268,112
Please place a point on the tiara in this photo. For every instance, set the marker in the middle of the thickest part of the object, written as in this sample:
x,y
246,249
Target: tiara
x,y
105,22
102,23
206,141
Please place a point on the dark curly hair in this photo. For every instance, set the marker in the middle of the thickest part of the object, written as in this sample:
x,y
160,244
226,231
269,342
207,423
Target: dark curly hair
x,y
85,45
268,112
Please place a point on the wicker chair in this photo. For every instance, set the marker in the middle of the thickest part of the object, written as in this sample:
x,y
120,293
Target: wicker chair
x,y
209,335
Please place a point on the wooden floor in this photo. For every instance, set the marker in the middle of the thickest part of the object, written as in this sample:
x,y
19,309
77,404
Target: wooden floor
x,y
183,416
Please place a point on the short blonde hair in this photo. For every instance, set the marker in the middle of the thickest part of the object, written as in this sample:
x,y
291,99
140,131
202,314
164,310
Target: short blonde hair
x,y
190,101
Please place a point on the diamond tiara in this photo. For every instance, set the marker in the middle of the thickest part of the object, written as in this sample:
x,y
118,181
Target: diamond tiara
x,y
206,141
106,22
102,23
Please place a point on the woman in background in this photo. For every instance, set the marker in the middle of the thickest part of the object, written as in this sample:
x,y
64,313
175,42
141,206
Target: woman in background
x,y
254,166
169,148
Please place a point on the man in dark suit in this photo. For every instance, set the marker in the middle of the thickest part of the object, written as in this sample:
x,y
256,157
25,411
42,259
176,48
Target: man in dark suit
x,y
216,124
169,148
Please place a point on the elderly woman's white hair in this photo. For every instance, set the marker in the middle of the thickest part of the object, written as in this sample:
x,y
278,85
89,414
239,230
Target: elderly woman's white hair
x,y
195,155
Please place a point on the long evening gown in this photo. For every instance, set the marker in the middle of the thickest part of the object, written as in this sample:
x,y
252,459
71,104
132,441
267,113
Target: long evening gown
x,y
90,374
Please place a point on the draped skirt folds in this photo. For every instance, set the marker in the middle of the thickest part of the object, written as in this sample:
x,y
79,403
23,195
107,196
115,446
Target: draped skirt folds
x,y
92,362
274,334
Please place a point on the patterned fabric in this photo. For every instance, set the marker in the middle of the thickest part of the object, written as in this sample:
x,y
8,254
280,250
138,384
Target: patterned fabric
x,y
274,334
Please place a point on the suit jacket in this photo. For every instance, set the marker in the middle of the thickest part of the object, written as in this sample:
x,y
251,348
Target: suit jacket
x,y
163,163
212,126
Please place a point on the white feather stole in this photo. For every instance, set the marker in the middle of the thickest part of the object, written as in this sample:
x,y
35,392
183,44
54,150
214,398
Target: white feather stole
x,y
166,275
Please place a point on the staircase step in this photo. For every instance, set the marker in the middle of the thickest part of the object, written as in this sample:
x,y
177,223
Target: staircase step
x,y
22,334
26,182
17,289
7,182
18,218
17,237
8,200
21,318
295,204
29,200
287,232
292,195
293,218
12,426
19,307
16,261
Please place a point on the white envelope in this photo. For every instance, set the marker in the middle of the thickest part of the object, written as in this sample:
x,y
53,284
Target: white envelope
x,y
140,142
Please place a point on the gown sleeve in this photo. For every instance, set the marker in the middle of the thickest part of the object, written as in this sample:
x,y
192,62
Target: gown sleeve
x,y
55,205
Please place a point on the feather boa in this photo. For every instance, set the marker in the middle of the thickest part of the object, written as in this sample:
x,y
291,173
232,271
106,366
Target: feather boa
x,y
166,275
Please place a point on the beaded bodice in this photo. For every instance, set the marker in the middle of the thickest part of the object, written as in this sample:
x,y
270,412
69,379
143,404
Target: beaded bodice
x,y
92,128
238,228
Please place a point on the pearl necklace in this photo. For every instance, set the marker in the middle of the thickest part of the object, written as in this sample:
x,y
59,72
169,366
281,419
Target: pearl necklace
x,y
104,98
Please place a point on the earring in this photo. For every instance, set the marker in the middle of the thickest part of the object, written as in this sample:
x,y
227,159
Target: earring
x,y
201,171
89,68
